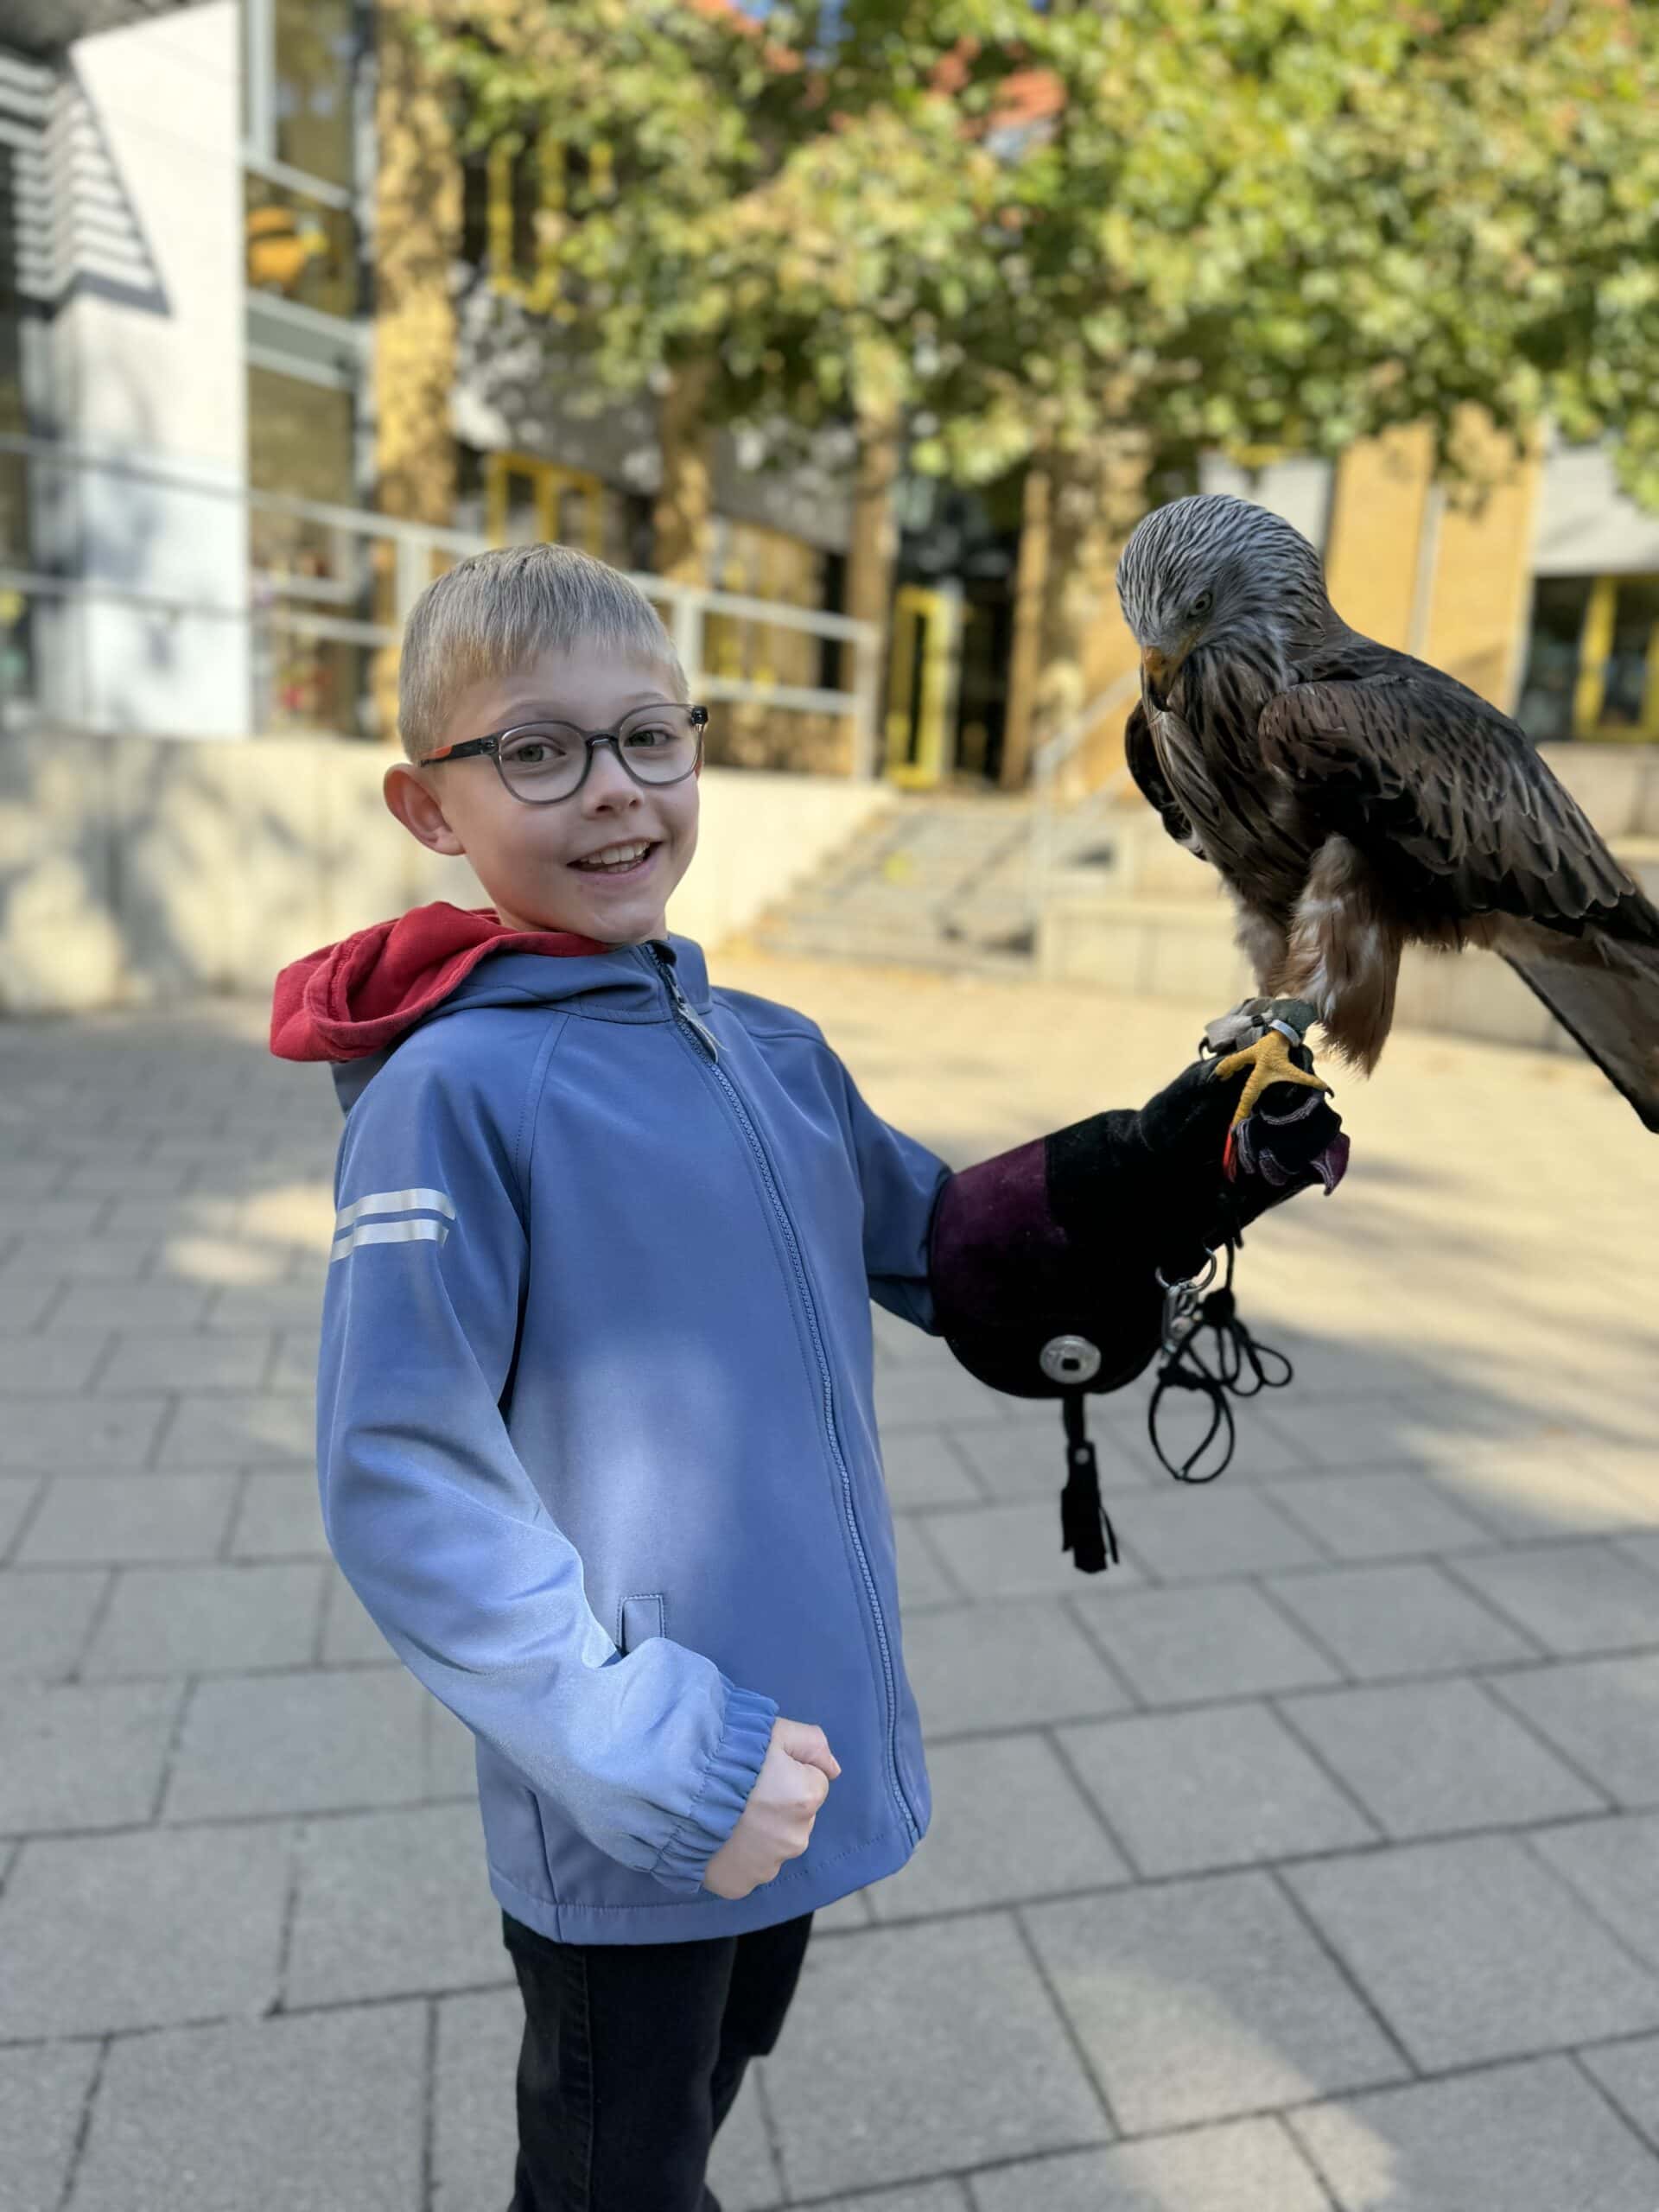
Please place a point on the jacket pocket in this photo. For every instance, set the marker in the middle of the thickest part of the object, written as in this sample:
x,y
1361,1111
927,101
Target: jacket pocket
x,y
639,1618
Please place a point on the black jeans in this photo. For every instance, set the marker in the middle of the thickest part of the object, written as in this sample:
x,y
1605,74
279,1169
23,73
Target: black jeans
x,y
633,2055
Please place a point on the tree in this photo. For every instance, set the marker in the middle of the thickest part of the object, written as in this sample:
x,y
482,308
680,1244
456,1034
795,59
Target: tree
x,y
1107,236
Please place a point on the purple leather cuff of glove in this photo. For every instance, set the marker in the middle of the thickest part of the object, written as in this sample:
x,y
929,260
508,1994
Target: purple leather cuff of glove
x,y
995,1243
1006,1278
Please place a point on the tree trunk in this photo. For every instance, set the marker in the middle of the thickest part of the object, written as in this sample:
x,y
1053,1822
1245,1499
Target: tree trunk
x,y
1024,660
684,520
417,229
873,551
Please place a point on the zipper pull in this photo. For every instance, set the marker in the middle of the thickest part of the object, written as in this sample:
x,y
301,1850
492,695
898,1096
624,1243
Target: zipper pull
x,y
663,956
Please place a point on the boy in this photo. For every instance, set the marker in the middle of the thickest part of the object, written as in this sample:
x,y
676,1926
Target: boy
x,y
595,1435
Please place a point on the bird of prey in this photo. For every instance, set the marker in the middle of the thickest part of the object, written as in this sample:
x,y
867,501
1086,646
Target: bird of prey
x,y
1356,800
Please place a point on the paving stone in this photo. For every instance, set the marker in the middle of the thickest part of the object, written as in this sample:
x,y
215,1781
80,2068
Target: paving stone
x,y
46,1613
922,1469
124,1179
450,1754
1629,2074
1391,1515
742,2171
1431,1931
987,2071
1535,1494
474,2127
1382,1621
1020,1461
1204,2000
1573,1598
1614,1865
389,1904
245,1306
296,1365
199,1359
52,1360
1188,1646
48,1214
23,1305
183,1213
42,2092
217,1430
142,1930
1534,2137
1190,1532
311,2113
314,1741
80,1431
1009,1666
86,1518
1364,1429
76,1755
1599,1714
1014,1551
922,1580
1244,2165
1428,1757
176,1620
1008,1823
17,1494
917,1396
280,1516
852,1911
78,1259
160,1306
935,2197
349,1633
1186,1792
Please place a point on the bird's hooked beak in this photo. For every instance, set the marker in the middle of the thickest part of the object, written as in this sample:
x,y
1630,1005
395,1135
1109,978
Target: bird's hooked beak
x,y
1158,672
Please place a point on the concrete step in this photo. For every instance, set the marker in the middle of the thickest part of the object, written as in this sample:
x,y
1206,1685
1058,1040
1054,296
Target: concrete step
x,y
1167,949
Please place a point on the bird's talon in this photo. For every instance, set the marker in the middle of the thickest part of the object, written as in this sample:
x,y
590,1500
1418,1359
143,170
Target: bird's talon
x,y
1269,1062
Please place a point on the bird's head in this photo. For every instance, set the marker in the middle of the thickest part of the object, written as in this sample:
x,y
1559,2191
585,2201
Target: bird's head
x,y
1219,574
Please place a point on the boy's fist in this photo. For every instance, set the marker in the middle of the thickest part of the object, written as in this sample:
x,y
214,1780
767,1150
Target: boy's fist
x,y
777,1821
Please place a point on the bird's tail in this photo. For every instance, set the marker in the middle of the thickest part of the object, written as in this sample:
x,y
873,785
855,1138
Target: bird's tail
x,y
1604,993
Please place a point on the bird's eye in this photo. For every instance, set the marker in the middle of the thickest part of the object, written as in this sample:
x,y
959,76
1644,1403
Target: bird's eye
x,y
1200,607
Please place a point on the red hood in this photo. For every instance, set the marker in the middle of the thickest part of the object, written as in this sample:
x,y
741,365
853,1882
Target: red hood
x,y
359,996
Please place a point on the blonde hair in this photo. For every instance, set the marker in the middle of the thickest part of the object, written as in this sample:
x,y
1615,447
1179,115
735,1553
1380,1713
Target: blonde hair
x,y
494,611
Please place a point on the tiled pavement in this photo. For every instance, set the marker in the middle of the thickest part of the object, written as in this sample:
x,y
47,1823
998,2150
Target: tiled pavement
x,y
1309,1860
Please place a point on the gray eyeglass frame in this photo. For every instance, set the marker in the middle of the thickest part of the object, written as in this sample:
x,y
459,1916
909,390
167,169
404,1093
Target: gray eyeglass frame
x,y
492,744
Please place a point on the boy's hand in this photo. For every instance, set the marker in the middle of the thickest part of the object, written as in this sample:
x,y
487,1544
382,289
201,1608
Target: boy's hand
x,y
776,1822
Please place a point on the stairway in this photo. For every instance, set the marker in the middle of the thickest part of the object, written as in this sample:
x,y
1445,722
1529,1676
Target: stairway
x,y
938,880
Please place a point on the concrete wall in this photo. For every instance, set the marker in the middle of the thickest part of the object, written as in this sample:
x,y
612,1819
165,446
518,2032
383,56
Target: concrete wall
x,y
133,869
147,368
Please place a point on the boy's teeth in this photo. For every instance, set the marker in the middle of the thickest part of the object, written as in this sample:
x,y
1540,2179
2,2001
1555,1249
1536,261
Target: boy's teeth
x,y
615,856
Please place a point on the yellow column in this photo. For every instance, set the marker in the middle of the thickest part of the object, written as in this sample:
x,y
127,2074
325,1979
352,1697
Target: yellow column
x,y
1482,591
1376,533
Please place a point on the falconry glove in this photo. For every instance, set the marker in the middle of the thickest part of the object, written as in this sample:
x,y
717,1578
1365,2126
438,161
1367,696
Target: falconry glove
x,y
1045,1262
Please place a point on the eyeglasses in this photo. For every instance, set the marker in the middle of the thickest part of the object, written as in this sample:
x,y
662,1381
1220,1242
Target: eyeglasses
x,y
544,762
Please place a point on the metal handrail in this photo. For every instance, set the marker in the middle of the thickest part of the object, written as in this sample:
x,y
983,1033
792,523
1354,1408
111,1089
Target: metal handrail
x,y
1046,761
341,608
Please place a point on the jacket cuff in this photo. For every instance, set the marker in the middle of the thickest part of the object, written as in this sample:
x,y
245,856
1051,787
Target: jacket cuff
x,y
727,1781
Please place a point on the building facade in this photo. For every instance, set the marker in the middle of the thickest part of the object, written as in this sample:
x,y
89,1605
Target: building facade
x,y
274,349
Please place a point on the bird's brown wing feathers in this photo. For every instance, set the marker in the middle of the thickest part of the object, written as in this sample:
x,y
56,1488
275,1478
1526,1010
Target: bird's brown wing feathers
x,y
1447,796
1141,758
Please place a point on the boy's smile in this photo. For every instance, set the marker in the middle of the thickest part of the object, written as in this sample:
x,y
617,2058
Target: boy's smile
x,y
602,863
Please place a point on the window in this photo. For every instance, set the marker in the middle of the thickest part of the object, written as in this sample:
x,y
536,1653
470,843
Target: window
x,y
300,61
300,248
1592,659
514,192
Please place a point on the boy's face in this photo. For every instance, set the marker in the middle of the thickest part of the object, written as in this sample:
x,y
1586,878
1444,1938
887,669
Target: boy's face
x,y
529,858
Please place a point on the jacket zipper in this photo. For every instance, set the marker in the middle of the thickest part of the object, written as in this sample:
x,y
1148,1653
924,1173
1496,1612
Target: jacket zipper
x,y
663,958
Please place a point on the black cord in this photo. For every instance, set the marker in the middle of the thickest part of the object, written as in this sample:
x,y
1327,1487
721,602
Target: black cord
x,y
1235,1355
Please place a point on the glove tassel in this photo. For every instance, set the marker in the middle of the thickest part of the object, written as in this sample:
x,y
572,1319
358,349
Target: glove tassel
x,y
1085,1527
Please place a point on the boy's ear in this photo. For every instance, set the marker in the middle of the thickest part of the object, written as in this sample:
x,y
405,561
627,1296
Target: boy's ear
x,y
409,797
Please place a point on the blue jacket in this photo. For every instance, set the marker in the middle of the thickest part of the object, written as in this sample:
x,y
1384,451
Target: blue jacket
x,y
595,1425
